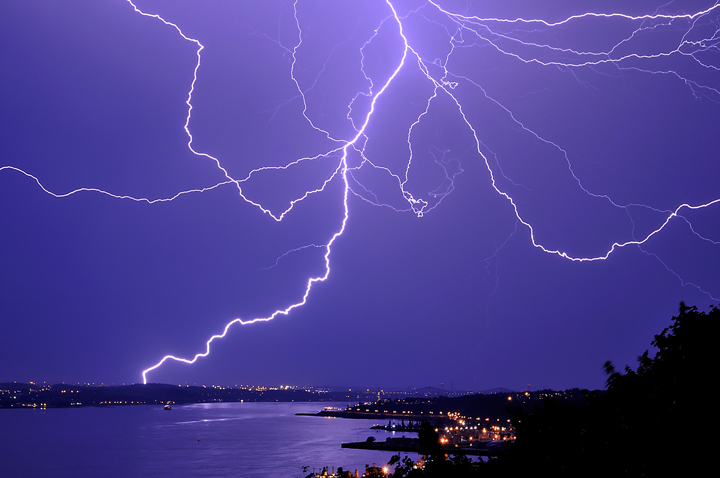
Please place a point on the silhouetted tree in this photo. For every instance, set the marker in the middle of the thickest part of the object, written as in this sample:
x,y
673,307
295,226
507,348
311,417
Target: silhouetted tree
x,y
403,468
654,416
429,439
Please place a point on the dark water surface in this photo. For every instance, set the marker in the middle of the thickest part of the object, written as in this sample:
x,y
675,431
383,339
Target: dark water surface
x,y
235,439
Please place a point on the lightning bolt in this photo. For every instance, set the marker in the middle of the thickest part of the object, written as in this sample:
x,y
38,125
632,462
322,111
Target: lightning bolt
x,y
697,43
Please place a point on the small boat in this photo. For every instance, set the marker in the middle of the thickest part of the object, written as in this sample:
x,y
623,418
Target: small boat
x,y
167,406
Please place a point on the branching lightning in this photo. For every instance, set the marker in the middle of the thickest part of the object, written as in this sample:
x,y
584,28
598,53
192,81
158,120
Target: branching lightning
x,y
698,42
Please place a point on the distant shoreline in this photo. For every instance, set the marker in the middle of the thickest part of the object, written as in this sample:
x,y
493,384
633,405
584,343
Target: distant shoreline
x,y
29,395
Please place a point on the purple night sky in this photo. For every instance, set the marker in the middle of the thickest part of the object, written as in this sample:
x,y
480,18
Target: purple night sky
x,y
596,128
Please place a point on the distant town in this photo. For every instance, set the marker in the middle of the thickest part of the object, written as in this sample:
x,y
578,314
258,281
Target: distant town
x,y
419,403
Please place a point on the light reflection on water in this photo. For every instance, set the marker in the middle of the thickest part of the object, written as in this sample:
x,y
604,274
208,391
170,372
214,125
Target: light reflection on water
x,y
220,439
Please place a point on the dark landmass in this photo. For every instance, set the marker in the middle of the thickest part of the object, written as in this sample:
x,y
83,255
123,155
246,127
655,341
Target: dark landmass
x,y
413,445
30,395
440,411
435,409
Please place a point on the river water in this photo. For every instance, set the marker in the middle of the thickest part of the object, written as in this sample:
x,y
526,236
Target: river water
x,y
208,440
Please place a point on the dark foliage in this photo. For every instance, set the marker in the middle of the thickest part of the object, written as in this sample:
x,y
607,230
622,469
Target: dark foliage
x,y
655,421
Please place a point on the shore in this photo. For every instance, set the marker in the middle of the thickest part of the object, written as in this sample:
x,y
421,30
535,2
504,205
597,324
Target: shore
x,y
412,445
